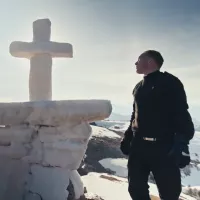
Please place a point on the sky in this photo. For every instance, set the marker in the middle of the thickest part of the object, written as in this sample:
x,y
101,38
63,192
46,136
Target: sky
x,y
107,38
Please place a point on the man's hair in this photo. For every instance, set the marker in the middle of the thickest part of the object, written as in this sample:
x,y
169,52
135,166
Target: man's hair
x,y
156,56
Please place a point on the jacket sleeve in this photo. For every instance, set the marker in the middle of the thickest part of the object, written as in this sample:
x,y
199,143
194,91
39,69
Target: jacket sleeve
x,y
183,123
125,144
128,135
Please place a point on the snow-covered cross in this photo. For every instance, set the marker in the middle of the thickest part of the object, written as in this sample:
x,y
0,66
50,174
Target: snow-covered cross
x,y
40,52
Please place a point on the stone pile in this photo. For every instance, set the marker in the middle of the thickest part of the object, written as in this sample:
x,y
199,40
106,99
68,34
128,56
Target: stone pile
x,y
42,145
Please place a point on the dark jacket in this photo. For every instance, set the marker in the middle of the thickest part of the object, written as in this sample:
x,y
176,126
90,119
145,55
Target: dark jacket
x,y
160,109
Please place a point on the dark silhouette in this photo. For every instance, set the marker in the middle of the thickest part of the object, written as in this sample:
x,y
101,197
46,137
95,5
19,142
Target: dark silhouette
x,y
159,133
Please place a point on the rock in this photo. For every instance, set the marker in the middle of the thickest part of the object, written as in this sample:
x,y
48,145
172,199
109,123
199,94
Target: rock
x,y
93,124
50,183
15,150
35,153
110,178
14,177
21,134
54,113
32,196
42,169
98,149
43,142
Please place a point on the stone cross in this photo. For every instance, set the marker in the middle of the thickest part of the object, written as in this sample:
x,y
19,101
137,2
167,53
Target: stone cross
x,y
40,52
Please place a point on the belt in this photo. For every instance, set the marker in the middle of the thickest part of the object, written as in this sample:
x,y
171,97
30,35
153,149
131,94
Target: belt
x,y
149,139
145,138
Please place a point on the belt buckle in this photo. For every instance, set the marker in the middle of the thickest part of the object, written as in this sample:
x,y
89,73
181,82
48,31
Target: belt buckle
x,y
149,139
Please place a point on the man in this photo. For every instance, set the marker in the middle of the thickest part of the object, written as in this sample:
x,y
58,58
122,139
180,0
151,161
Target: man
x,y
159,133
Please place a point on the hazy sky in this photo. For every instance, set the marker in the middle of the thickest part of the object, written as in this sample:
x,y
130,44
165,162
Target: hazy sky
x,y
107,37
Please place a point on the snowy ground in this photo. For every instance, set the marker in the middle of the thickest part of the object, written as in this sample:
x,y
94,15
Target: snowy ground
x,y
195,146
193,179
114,188
119,166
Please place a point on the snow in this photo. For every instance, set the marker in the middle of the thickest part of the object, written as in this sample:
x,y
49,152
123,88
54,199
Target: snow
x,y
195,146
77,183
114,188
119,166
103,132
106,189
193,191
192,187
193,179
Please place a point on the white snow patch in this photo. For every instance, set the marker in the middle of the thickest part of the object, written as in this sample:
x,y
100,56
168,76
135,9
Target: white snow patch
x,y
193,179
104,188
114,189
192,187
77,183
192,191
103,132
119,166
195,146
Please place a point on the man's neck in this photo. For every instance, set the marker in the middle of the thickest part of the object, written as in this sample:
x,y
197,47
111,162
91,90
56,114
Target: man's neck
x,y
152,71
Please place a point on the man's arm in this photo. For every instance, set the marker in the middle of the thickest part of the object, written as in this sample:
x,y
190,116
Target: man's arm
x,y
128,135
184,126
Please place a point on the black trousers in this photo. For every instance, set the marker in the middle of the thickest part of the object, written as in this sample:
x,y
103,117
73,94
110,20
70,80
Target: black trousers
x,y
146,157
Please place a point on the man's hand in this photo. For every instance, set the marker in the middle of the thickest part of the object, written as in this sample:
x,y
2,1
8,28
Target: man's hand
x,y
185,157
125,146
180,153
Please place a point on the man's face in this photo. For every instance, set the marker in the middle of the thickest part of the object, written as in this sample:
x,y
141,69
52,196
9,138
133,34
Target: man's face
x,y
142,64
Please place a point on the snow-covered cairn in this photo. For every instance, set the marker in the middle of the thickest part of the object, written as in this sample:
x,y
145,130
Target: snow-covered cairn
x,y
43,142
42,145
